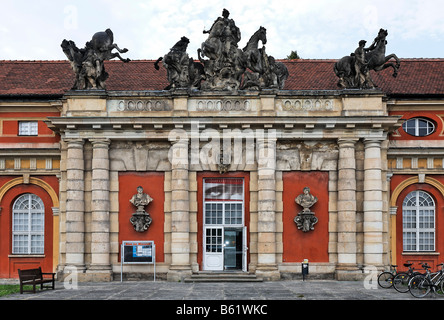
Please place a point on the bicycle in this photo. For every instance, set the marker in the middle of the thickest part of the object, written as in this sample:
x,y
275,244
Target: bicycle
x,y
422,285
402,279
385,278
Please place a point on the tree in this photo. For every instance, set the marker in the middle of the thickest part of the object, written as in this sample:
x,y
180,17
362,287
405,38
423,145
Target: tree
x,y
293,55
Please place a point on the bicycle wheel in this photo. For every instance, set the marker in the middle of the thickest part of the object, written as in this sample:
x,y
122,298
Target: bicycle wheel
x,y
401,282
440,290
385,279
419,286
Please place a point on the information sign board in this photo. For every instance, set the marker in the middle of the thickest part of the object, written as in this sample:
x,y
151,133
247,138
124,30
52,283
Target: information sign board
x,y
138,252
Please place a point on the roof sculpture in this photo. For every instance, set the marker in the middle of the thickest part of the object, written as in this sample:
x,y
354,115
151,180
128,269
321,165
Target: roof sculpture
x,y
354,70
227,66
87,63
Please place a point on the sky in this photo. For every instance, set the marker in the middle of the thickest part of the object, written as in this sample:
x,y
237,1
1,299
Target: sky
x,y
316,29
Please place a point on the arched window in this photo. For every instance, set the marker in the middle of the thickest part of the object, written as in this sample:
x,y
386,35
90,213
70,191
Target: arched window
x,y
28,225
418,222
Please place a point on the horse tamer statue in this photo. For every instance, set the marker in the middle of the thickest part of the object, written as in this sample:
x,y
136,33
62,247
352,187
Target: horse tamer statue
x,y
87,63
354,70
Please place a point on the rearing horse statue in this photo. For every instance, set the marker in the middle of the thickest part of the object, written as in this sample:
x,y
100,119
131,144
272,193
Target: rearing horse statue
x,y
375,59
253,54
267,72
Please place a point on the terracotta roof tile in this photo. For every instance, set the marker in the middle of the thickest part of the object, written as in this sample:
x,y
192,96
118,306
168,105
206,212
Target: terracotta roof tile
x,y
416,77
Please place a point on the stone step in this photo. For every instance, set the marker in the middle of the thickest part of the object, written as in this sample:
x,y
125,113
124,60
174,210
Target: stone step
x,y
223,277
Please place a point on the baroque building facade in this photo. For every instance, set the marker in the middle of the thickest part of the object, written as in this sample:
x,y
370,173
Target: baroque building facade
x,y
254,181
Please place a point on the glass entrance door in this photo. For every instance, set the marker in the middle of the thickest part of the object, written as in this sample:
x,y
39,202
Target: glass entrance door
x,y
233,249
224,231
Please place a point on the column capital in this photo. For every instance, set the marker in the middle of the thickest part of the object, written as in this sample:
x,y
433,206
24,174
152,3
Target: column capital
x,y
74,142
372,143
97,142
347,142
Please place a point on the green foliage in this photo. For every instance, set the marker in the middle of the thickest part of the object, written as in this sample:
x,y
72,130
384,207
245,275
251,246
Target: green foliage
x,y
7,289
293,55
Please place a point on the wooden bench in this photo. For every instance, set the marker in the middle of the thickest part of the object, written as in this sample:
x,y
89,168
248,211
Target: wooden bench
x,y
34,277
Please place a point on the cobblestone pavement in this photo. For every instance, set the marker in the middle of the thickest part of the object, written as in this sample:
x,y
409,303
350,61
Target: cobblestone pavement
x,y
263,300
275,290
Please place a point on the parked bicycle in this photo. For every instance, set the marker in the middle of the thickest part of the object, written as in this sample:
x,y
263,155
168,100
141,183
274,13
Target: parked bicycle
x,y
402,279
385,278
421,285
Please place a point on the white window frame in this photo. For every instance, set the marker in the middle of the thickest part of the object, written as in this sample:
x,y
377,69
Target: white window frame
x,y
431,128
28,128
418,222
28,223
219,218
225,205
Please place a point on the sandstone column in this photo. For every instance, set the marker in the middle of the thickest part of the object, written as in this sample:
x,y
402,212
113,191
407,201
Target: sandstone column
x,y
373,225
346,208
267,265
75,207
180,212
100,223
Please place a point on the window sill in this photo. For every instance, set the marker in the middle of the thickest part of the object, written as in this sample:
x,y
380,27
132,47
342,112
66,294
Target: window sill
x,y
416,253
26,256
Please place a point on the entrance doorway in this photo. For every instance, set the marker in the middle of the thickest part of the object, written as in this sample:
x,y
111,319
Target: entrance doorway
x,y
225,235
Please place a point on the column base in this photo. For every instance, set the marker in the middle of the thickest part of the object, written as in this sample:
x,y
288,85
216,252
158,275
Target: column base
x,y
348,272
268,272
99,273
178,273
373,268
73,273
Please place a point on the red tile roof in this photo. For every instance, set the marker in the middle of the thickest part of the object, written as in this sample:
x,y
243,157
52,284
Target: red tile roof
x,y
29,78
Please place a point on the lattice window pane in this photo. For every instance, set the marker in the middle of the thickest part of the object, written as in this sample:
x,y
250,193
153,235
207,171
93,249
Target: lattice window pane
x,y
28,128
427,219
213,213
213,240
20,244
37,222
233,213
409,241
21,221
426,241
424,200
409,219
37,244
